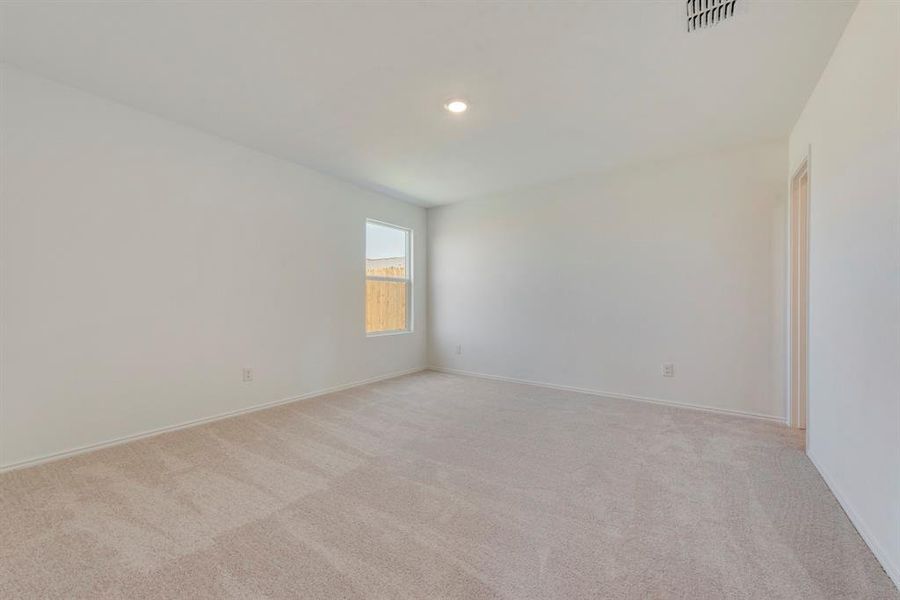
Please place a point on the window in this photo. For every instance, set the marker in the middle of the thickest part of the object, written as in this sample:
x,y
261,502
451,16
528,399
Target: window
x,y
388,278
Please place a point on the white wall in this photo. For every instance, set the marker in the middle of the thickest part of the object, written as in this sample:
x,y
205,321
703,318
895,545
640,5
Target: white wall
x,y
596,281
852,126
144,264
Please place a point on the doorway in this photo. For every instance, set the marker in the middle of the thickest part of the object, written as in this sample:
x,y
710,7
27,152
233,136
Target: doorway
x,y
799,295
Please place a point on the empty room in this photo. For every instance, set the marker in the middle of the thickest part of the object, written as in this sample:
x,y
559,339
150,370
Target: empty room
x,y
408,299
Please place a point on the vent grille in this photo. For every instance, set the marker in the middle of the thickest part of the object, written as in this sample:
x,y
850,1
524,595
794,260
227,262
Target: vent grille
x,y
706,13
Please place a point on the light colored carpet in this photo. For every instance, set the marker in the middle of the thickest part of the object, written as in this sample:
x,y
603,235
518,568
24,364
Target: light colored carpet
x,y
439,486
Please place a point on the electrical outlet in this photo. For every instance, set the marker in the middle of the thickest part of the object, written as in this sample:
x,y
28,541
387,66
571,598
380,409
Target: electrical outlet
x,y
247,374
459,349
668,370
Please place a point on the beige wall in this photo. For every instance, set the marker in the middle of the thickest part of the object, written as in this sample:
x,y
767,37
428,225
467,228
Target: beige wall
x,y
596,281
851,128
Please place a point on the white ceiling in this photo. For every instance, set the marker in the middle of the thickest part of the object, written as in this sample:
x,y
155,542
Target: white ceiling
x,y
356,89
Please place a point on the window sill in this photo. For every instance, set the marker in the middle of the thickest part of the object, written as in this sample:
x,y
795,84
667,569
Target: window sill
x,y
386,333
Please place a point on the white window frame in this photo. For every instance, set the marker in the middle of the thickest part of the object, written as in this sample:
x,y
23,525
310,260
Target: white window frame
x,y
410,312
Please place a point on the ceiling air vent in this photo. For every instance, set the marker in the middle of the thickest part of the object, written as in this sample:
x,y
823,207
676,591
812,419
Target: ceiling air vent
x,y
706,13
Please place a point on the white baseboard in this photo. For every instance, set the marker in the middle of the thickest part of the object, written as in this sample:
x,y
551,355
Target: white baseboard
x,y
592,392
192,423
892,569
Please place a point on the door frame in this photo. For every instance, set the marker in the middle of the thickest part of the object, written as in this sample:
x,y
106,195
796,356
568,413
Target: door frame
x,y
798,285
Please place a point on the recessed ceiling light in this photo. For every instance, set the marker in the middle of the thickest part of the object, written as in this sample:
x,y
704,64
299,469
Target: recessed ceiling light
x,y
456,106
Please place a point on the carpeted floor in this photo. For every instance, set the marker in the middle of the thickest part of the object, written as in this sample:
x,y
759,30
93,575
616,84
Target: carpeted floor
x,y
439,486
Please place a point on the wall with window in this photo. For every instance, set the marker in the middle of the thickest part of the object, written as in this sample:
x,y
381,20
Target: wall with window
x,y
145,264
597,281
